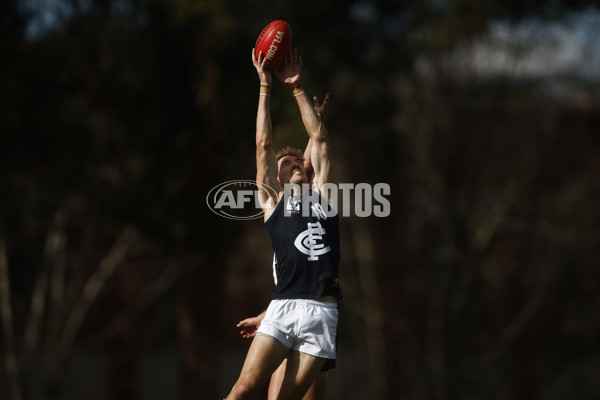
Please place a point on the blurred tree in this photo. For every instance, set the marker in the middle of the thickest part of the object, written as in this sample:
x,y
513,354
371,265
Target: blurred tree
x,y
120,116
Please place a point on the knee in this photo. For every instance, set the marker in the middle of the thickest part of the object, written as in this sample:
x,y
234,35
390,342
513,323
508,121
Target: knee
x,y
290,395
243,390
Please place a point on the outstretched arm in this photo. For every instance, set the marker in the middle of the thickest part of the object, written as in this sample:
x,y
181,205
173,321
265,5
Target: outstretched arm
x,y
266,164
320,151
321,110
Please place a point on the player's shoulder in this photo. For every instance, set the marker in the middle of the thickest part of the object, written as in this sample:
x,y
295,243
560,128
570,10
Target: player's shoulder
x,y
272,207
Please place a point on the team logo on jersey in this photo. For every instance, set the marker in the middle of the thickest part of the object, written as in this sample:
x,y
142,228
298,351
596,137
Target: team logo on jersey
x,y
308,241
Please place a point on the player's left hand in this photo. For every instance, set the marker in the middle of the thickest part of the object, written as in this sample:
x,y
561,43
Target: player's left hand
x,y
290,76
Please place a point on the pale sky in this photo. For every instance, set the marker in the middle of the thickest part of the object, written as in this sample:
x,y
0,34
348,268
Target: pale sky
x,y
529,49
533,49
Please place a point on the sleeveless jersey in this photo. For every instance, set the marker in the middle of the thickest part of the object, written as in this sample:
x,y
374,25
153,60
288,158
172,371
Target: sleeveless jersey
x,y
307,250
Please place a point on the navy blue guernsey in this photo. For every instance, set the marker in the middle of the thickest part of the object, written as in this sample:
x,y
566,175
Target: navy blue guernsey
x,y
307,250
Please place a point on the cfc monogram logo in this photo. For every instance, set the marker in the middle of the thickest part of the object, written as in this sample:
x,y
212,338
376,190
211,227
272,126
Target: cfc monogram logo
x,y
307,241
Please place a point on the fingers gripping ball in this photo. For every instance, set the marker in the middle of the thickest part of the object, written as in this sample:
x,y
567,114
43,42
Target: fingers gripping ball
x,y
275,42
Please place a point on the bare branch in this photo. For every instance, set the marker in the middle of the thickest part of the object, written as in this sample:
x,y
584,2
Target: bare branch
x,y
121,322
489,226
10,357
57,278
372,308
38,303
92,288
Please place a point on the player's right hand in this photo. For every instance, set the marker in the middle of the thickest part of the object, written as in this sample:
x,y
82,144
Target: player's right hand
x,y
259,63
321,109
249,327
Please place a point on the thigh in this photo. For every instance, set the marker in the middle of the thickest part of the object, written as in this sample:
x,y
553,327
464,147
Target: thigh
x,y
301,371
264,356
318,389
276,380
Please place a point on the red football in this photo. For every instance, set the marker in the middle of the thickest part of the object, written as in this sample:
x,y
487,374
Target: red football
x,y
275,42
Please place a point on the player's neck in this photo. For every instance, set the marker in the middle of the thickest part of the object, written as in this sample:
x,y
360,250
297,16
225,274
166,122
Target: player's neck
x,y
299,189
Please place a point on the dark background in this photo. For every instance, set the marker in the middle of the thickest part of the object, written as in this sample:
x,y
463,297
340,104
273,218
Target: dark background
x,y
118,117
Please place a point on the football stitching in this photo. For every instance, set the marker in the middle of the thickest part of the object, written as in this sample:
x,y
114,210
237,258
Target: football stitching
x,y
268,28
262,34
266,32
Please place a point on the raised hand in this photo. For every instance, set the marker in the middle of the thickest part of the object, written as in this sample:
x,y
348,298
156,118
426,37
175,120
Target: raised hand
x,y
290,75
321,109
259,63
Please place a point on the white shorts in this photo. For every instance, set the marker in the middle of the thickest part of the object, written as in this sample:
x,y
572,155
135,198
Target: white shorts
x,y
308,326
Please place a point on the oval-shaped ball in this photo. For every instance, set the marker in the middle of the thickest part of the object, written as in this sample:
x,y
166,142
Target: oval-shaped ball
x,y
275,42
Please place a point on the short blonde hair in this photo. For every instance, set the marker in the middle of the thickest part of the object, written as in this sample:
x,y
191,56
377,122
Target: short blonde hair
x,y
289,151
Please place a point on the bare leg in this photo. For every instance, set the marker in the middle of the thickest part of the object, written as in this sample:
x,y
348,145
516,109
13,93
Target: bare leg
x,y
264,356
300,373
318,389
276,381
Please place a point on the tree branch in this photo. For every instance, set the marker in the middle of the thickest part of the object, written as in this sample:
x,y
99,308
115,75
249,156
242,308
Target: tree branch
x,y
10,357
91,290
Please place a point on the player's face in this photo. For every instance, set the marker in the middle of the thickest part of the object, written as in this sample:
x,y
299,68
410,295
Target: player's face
x,y
291,170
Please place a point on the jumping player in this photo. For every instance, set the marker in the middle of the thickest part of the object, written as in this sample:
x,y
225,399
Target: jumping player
x,y
301,320
249,326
